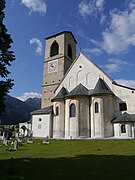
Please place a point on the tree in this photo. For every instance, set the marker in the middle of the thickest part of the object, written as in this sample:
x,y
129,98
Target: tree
x,y
6,57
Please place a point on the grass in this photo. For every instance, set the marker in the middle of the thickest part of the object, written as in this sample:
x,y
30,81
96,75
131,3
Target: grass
x,y
70,159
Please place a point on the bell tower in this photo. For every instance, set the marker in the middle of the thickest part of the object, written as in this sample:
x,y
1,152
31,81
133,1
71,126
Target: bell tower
x,y
60,52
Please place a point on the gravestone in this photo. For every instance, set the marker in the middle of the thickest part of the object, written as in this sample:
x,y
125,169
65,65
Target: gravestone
x,y
15,145
5,142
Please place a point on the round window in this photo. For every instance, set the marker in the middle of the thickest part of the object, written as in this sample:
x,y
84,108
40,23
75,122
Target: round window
x,y
40,119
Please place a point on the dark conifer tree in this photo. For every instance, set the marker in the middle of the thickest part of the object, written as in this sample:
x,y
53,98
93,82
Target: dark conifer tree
x,y
6,57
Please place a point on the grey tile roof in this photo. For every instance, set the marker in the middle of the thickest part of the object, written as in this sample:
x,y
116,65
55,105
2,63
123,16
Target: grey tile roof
x,y
91,92
123,86
102,88
61,95
46,110
125,117
80,90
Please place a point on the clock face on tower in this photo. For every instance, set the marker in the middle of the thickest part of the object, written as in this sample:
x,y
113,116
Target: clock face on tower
x,y
52,66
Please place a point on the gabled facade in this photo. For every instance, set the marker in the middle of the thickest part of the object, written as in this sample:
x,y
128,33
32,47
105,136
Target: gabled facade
x,y
87,103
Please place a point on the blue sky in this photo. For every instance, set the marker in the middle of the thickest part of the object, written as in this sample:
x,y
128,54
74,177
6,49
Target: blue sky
x,y
104,30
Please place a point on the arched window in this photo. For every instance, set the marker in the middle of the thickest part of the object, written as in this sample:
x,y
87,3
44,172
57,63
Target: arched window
x,y
72,110
54,49
96,107
69,51
57,111
123,128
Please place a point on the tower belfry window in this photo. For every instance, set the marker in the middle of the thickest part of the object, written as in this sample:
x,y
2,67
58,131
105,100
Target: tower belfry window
x,y
54,49
69,51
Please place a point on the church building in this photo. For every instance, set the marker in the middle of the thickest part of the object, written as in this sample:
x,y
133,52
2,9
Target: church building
x,y
79,100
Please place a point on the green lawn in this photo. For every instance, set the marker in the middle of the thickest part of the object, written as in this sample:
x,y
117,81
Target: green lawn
x,y
70,159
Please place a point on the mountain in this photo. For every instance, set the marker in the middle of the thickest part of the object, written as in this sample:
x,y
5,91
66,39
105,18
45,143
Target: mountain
x,y
34,102
18,111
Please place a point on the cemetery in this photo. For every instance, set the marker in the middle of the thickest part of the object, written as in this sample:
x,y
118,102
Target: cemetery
x,y
71,159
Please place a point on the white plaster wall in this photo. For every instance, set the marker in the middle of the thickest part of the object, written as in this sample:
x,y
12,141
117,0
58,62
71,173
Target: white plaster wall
x,y
101,125
71,123
129,130
59,121
108,114
125,95
98,118
67,124
45,124
55,121
73,127
84,122
85,72
116,130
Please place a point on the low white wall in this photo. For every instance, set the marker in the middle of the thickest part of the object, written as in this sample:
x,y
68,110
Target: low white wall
x,y
129,130
41,125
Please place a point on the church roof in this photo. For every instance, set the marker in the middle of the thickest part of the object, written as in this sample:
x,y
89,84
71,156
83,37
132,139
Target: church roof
x,y
101,88
46,110
123,86
125,117
80,90
57,34
61,95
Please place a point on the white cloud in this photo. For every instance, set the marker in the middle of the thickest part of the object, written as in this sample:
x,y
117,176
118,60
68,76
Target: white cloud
x,y
28,95
85,9
35,6
132,4
117,61
114,65
102,19
100,4
96,43
120,35
39,44
112,68
129,83
95,51
131,40
90,8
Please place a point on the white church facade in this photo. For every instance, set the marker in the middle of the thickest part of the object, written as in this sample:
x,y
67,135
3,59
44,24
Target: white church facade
x,y
79,100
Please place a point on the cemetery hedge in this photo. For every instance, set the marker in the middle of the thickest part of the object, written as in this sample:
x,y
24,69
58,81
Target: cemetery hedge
x,y
70,159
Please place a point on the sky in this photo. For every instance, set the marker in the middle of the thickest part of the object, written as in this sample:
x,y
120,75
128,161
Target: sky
x,y
104,30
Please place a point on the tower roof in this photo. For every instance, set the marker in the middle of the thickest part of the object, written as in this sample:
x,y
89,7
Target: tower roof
x,y
80,90
61,95
102,88
63,32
